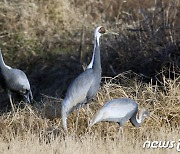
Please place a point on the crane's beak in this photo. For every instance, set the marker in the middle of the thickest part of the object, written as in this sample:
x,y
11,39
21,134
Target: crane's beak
x,y
111,32
27,99
30,95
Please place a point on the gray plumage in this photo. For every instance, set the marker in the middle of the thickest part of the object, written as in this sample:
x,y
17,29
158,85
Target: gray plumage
x,y
120,111
14,80
85,86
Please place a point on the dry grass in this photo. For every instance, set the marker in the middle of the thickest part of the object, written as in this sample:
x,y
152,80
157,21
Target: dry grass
x,y
32,27
88,144
39,28
30,131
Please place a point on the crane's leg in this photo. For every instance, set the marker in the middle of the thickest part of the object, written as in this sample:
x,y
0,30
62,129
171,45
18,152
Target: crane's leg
x,y
64,117
120,132
10,98
65,125
87,112
77,117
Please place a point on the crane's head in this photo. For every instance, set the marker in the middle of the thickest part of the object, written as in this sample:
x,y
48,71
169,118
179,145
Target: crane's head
x,y
99,31
27,95
143,113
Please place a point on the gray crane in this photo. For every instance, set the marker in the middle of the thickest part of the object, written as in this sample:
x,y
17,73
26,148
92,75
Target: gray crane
x,y
85,86
14,81
120,110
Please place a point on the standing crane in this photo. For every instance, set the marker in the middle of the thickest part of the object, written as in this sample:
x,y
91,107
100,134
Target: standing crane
x,y
14,81
85,86
120,111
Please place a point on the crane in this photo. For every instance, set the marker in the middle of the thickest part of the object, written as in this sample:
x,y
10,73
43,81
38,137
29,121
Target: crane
x,y
120,110
14,81
85,86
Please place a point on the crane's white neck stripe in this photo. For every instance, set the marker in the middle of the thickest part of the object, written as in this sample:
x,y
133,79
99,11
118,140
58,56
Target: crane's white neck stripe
x,y
92,59
2,61
96,43
97,37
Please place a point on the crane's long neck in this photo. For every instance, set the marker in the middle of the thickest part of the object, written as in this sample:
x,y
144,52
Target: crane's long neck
x,y
96,55
2,64
92,59
137,120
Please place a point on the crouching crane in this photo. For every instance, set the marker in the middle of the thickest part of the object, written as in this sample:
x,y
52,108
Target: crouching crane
x,y
120,111
85,86
14,81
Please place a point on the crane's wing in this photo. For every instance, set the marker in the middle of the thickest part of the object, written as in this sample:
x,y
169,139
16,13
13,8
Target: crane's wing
x,y
115,110
16,80
78,89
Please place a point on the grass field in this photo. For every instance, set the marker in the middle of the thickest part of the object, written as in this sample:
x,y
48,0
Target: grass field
x,y
30,129
88,144
52,41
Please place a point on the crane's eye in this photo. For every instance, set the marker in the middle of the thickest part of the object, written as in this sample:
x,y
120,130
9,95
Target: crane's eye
x,y
102,30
